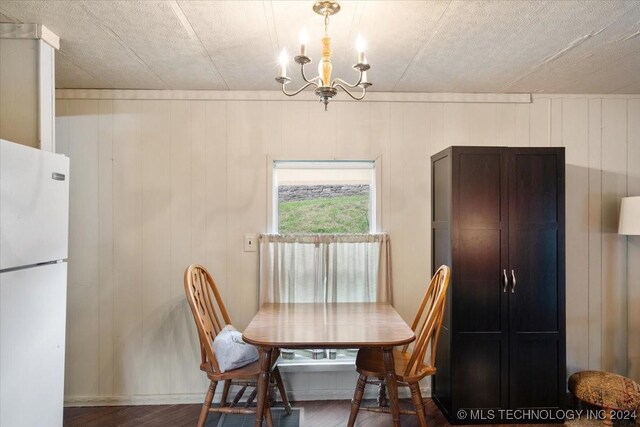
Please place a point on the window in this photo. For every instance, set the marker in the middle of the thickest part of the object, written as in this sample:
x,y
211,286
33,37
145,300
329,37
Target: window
x,y
324,246
324,197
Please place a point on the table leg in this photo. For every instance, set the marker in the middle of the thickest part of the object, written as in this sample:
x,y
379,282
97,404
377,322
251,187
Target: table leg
x,y
392,385
382,394
263,385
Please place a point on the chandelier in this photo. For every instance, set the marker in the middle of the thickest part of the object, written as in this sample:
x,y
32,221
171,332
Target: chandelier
x,y
325,88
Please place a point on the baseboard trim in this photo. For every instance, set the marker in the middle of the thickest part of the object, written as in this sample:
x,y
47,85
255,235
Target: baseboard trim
x,y
189,398
159,399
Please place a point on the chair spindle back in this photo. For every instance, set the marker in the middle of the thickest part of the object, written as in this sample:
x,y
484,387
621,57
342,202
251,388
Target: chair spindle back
x,y
428,321
208,309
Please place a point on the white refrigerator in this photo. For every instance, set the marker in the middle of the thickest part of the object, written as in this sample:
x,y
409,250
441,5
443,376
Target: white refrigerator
x,y
34,228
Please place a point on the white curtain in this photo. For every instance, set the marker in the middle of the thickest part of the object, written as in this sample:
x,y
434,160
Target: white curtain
x,y
325,268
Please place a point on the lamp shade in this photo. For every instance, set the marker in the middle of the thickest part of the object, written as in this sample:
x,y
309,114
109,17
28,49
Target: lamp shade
x,y
629,216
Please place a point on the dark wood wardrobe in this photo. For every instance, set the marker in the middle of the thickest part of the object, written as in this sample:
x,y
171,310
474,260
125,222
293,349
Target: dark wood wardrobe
x,y
498,219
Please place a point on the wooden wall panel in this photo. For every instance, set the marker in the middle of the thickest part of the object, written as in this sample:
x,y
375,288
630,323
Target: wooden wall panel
x,y
595,234
215,203
614,246
167,183
84,250
246,209
436,116
506,125
181,161
352,126
185,337
522,125
198,180
188,211
395,221
276,131
416,271
457,129
633,242
539,123
250,216
575,139
380,147
483,123
323,140
105,178
234,245
214,208
297,129
156,244
62,126
127,248
556,122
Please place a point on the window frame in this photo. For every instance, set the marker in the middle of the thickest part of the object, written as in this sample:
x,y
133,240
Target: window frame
x,y
375,195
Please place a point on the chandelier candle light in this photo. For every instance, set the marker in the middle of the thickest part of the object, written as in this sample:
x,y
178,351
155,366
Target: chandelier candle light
x,y
325,87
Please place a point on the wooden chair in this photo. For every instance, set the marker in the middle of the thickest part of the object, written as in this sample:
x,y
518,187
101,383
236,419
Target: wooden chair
x,y
211,317
410,366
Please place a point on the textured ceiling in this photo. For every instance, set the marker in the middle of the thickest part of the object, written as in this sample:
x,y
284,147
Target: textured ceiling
x,y
413,46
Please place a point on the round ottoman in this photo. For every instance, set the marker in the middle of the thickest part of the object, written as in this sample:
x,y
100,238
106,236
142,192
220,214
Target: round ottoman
x,y
609,391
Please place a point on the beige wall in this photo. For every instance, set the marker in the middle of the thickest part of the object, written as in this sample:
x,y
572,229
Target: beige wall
x,y
19,91
27,84
158,184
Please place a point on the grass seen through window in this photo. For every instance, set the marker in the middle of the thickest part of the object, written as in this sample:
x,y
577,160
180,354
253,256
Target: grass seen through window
x,y
341,214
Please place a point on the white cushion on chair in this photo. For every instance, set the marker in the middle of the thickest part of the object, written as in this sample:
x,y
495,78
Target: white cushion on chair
x,y
231,352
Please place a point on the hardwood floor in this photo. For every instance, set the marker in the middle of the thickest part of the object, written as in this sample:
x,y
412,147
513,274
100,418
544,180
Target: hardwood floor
x,y
326,413
336,413
316,413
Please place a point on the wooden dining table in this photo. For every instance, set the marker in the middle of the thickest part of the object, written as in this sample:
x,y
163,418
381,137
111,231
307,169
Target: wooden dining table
x,y
327,325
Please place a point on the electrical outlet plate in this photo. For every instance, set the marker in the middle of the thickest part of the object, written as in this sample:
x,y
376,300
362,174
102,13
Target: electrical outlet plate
x,y
250,242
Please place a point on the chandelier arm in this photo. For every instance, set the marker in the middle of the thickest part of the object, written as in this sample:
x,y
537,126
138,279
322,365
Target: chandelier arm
x,y
342,82
357,98
353,86
304,77
297,91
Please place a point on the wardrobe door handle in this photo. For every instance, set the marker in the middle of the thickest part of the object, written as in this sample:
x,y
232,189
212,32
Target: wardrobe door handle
x,y
513,285
505,280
